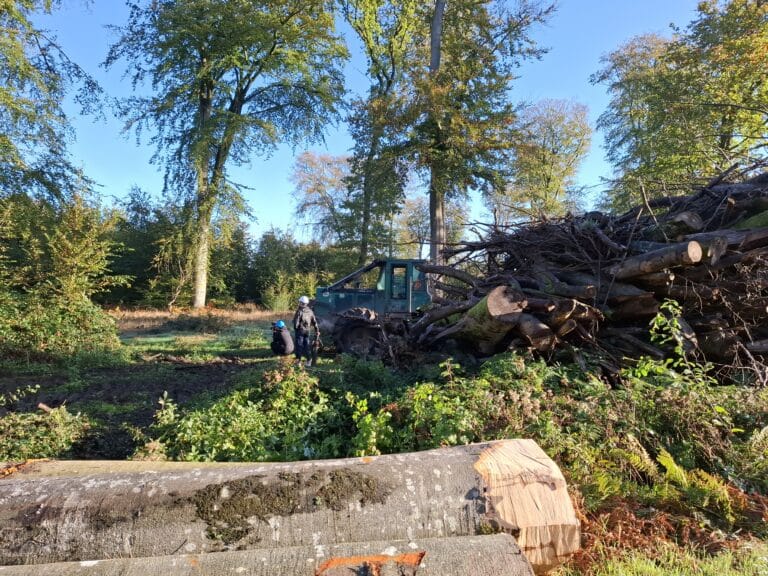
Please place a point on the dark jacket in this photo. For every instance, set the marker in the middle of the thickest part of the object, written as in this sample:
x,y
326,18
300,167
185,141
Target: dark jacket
x,y
282,343
304,320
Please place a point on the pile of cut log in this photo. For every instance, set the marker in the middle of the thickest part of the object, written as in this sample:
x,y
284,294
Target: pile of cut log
x,y
597,280
494,509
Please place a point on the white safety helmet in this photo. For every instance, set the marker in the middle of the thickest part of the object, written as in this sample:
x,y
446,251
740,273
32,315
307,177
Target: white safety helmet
x,y
304,300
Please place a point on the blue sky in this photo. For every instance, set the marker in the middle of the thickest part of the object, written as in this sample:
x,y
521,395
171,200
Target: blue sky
x,y
580,32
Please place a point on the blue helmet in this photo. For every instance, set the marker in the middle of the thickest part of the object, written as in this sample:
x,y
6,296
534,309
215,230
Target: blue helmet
x,y
280,324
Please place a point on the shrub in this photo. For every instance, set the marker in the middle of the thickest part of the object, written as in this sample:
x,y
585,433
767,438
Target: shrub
x,y
280,418
40,435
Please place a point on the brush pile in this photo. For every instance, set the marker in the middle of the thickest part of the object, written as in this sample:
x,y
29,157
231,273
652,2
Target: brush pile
x,y
595,281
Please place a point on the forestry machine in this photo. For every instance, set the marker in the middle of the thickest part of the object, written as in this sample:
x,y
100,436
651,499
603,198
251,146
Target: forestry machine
x,y
364,308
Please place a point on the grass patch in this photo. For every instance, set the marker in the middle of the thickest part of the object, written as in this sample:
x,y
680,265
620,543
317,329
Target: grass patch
x,y
750,560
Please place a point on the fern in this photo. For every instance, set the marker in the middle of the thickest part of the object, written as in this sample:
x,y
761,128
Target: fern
x,y
673,472
758,443
637,457
708,492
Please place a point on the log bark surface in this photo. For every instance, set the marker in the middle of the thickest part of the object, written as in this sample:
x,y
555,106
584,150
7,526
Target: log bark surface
x,y
489,321
492,555
169,509
681,254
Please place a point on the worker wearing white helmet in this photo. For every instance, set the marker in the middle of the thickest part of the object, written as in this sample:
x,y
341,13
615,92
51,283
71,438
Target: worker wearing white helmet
x,y
303,322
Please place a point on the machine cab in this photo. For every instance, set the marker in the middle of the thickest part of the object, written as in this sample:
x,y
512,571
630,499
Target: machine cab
x,y
393,288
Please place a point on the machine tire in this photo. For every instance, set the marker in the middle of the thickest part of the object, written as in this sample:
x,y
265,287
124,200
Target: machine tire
x,y
358,333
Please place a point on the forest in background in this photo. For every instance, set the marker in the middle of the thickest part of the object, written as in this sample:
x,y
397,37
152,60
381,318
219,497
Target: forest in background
x,y
436,123
666,455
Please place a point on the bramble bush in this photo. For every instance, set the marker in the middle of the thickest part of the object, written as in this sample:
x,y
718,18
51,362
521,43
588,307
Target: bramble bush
x,y
26,435
279,416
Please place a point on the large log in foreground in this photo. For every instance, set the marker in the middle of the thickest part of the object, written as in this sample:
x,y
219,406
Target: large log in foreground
x,y
59,513
492,555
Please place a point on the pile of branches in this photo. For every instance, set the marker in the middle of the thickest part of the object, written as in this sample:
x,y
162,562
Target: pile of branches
x,y
597,280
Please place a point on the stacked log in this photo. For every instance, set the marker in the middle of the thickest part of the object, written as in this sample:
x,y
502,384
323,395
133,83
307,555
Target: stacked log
x,y
496,508
597,279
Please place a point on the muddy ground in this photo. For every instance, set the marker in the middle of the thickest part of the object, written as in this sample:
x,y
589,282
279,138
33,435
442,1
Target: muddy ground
x,y
165,356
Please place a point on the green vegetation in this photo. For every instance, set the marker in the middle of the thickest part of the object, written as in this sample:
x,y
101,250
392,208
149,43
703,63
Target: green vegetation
x,y
752,561
664,459
661,456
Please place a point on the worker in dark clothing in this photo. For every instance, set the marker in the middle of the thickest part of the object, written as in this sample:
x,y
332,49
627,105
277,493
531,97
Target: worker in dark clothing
x,y
303,321
282,343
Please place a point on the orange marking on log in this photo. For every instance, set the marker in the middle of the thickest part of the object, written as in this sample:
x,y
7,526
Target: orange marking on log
x,y
13,468
194,562
373,561
367,459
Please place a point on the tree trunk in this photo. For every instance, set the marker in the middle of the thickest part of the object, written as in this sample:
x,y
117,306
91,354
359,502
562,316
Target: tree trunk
x,y
71,511
487,323
202,249
538,334
368,192
492,555
436,217
436,36
436,185
203,197
684,253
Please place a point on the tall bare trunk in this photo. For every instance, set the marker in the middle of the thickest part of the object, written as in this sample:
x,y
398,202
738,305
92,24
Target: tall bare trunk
x,y
436,189
202,253
202,228
436,216
369,185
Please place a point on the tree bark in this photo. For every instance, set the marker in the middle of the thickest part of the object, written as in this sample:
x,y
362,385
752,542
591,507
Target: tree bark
x,y
202,250
70,511
683,253
492,555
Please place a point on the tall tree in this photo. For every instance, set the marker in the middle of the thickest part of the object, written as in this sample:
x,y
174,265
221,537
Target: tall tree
x,y
688,107
230,78
385,29
34,130
463,121
320,190
554,138
412,225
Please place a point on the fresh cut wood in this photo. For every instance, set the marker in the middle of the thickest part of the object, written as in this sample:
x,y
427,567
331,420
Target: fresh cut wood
x,y
58,512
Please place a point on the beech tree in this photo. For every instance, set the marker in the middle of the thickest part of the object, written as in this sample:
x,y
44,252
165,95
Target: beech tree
x,y
34,130
412,225
461,117
229,79
687,108
320,190
385,29
554,138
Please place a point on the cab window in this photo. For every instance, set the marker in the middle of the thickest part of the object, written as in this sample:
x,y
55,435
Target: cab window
x,y
418,282
399,282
